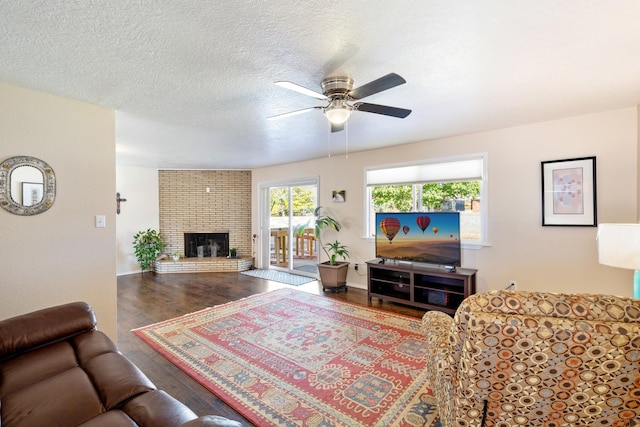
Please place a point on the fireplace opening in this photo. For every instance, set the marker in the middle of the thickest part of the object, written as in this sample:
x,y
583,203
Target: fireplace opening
x,y
206,244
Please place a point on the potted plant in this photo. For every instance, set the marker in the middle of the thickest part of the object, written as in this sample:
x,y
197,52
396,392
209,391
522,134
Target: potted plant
x,y
147,245
336,249
333,273
233,253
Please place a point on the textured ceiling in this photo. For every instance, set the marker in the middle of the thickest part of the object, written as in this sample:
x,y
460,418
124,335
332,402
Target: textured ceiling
x,y
192,81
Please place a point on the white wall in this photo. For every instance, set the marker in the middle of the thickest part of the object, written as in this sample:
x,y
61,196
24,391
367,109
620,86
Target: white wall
x,y
141,211
539,258
59,256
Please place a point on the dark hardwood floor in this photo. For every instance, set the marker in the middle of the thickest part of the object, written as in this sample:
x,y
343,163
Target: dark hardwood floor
x,y
147,299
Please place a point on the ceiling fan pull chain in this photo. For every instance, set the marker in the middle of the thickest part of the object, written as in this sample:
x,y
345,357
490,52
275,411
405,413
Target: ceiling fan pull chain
x,y
346,137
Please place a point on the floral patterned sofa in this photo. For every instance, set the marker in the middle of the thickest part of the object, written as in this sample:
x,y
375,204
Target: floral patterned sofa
x,y
536,359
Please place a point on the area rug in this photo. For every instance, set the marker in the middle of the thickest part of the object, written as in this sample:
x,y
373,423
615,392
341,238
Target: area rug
x,y
279,276
290,358
307,268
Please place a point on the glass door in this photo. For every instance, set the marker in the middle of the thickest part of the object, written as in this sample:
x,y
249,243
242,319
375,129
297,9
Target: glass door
x,y
292,245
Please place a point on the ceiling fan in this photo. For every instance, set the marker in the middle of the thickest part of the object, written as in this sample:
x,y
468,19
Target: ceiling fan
x,y
339,92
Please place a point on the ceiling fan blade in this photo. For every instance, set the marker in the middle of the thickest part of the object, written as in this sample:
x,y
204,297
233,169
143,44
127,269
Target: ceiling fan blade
x,y
337,128
401,113
301,89
292,113
378,85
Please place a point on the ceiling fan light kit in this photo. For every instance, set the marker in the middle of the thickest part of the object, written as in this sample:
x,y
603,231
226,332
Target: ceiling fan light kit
x,y
338,112
338,90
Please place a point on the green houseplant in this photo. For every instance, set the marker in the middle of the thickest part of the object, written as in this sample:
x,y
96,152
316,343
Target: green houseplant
x,y
333,273
147,245
335,250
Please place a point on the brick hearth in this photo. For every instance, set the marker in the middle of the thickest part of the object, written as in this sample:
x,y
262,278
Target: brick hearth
x,y
197,265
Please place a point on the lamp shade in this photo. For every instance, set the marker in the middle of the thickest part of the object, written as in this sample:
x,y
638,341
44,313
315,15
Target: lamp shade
x,y
619,245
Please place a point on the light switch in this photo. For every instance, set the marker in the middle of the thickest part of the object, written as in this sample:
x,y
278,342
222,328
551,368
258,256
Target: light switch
x,y
101,221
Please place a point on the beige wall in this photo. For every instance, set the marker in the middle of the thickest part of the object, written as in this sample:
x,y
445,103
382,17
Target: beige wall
x,y
60,256
638,166
539,258
140,212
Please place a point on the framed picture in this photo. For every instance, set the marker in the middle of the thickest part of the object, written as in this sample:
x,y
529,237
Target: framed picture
x,y
31,193
569,192
339,196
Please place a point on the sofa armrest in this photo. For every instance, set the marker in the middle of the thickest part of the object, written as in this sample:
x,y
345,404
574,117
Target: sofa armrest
x,y
22,333
159,409
437,329
116,379
211,421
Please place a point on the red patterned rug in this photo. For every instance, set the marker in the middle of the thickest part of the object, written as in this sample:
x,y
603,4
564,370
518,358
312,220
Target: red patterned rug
x,y
290,358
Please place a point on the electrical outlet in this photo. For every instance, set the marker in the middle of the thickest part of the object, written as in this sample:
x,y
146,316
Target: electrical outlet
x,y
513,285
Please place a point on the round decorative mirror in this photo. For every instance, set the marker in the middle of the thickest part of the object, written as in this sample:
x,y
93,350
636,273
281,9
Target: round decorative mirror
x,y
27,185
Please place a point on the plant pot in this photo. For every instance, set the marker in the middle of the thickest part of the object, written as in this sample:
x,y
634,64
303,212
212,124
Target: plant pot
x,y
333,277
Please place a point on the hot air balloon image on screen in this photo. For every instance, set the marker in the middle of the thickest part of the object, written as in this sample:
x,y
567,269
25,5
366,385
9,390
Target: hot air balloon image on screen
x,y
423,222
390,227
435,239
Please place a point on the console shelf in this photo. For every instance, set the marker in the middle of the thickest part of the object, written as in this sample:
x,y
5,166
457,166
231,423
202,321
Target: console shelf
x,y
420,286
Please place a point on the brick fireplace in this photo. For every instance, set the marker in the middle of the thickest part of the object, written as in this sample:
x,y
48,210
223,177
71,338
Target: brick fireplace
x,y
199,201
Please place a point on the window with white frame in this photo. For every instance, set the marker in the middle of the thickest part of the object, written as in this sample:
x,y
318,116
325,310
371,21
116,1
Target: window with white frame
x,y
432,185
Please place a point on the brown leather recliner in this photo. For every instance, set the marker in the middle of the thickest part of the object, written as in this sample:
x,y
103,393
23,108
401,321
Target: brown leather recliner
x,y
57,369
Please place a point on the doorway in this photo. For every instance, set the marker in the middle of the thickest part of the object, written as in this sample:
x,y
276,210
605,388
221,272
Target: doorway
x,y
288,240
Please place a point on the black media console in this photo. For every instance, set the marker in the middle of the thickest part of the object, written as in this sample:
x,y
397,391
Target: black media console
x,y
420,286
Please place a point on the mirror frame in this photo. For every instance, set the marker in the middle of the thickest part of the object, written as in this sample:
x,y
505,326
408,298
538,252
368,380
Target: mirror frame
x,y
49,185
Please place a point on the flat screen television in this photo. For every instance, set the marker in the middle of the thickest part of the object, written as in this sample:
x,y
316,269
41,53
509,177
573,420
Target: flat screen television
x,y
426,237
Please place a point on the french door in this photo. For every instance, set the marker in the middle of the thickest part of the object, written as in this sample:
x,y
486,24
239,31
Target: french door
x,y
287,226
